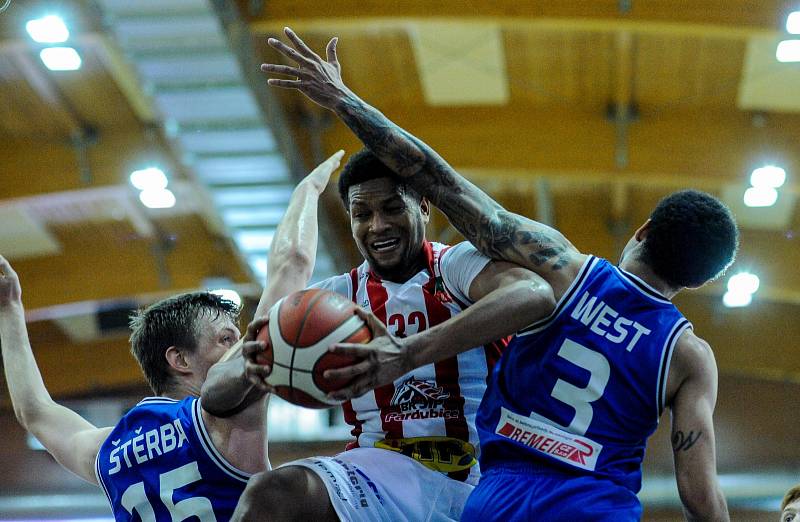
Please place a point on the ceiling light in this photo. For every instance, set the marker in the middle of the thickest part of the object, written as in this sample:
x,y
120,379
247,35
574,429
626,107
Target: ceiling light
x,y
230,295
743,283
61,58
50,29
760,196
769,176
151,178
793,23
157,198
736,300
788,51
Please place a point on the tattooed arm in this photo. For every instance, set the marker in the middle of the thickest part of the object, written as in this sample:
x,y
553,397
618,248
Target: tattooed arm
x,y
493,230
692,394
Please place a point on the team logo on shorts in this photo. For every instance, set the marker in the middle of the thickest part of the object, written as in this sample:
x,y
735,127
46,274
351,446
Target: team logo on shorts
x,y
417,399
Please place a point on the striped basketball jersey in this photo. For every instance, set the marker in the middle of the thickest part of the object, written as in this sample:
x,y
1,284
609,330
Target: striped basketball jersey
x,y
159,464
429,413
582,390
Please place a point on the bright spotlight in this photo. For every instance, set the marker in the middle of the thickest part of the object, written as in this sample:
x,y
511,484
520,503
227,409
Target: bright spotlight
x,y
230,295
60,58
157,198
736,300
760,196
50,29
788,51
743,283
793,23
769,176
151,178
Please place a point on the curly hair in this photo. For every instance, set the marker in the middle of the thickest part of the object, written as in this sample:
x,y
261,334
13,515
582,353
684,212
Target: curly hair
x,y
365,166
692,239
172,322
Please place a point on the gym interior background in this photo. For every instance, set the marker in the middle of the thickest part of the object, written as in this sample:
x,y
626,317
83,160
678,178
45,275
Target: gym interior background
x,y
581,114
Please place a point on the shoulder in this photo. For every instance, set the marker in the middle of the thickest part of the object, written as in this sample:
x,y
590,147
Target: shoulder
x,y
692,363
340,284
693,351
460,253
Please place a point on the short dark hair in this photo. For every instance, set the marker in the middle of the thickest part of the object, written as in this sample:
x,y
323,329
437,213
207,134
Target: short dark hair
x,y
172,322
365,166
692,239
790,496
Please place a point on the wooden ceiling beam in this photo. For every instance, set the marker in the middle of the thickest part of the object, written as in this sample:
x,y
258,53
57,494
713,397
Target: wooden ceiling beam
x,y
675,147
747,14
740,19
32,167
104,261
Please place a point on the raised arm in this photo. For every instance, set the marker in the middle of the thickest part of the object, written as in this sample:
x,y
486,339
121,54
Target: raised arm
x,y
291,262
507,298
493,230
72,440
694,373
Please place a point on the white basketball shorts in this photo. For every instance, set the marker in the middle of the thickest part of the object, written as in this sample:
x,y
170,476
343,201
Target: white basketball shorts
x,y
371,484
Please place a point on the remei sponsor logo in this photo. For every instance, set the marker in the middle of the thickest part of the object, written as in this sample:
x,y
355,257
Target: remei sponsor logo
x,y
564,446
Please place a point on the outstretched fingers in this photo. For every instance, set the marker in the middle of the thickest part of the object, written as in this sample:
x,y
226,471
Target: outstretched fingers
x,y
285,84
288,51
300,45
280,69
330,51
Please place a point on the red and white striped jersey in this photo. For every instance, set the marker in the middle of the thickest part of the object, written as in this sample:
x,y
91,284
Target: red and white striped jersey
x,y
429,413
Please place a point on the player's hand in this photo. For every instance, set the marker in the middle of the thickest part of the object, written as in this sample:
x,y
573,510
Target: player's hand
x,y
255,371
382,360
319,177
10,290
319,79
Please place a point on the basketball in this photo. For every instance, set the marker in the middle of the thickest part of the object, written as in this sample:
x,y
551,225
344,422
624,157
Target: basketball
x,y
301,327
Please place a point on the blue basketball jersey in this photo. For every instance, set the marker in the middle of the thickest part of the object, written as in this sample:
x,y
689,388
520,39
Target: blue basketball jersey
x,y
159,465
582,390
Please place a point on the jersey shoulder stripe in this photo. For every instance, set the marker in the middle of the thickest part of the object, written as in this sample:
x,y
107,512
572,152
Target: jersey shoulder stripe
x,y
666,358
212,452
99,477
641,286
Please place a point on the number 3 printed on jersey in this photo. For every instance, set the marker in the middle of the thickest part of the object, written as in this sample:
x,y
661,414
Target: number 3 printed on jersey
x,y
135,499
581,399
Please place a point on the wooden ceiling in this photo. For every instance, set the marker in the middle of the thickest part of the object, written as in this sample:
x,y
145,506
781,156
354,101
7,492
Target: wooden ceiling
x,y
608,109
68,141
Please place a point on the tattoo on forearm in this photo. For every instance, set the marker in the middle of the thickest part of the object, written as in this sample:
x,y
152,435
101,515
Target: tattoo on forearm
x,y
494,231
682,441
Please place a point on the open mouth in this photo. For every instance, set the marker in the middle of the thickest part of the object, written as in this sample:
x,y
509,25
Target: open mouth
x,y
384,245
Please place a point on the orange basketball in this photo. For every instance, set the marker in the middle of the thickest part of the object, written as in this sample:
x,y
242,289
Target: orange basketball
x,y
301,327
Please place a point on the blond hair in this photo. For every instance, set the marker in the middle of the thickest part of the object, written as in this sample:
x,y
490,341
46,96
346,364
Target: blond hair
x,y
790,496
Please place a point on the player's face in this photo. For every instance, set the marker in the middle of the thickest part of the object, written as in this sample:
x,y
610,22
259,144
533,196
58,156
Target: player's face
x,y
216,337
791,513
388,226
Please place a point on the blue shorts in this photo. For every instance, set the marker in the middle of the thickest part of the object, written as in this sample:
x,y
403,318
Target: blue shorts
x,y
523,492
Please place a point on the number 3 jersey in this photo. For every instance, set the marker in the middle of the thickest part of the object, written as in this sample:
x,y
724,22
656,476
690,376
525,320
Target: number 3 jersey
x,y
429,413
159,465
583,389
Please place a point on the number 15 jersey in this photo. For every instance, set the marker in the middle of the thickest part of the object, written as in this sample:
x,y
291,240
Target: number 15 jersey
x,y
583,389
160,465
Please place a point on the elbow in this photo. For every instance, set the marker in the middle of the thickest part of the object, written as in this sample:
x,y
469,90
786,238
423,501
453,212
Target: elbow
x,y
539,299
705,504
28,414
295,260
